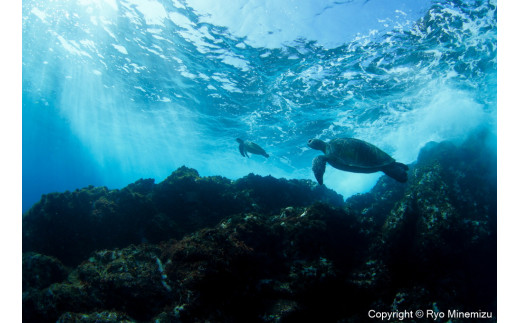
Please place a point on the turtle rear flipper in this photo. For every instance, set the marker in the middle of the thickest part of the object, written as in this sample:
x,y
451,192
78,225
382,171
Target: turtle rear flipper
x,y
397,171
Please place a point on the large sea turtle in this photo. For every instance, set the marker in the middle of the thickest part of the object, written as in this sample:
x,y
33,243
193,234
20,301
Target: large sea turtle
x,y
354,155
251,147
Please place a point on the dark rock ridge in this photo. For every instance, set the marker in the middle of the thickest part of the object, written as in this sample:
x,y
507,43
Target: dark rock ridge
x,y
268,250
71,225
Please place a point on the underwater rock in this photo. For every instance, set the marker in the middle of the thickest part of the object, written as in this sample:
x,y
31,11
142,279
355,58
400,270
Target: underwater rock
x,y
451,200
445,225
101,317
265,250
58,225
376,204
70,225
40,271
255,266
248,264
269,194
47,304
129,280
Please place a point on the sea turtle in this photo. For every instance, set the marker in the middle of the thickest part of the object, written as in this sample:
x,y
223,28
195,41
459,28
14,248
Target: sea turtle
x,y
251,147
354,155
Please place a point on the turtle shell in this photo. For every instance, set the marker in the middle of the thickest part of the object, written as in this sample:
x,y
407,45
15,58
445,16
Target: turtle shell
x,y
351,152
254,148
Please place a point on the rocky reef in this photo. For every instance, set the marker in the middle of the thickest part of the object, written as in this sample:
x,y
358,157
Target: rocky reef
x,y
261,249
71,225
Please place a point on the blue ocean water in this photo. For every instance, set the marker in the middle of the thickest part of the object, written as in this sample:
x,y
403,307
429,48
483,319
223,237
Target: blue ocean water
x,y
117,90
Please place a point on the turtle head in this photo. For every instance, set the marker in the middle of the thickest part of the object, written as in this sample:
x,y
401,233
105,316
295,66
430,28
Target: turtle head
x,y
240,141
317,144
318,167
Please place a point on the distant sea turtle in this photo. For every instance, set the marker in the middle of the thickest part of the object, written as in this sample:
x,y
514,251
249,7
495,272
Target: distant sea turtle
x,y
250,147
354,155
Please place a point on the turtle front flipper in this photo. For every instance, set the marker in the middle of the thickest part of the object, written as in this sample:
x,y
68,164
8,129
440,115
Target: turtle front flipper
x,y
242,150
318,167
242,147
